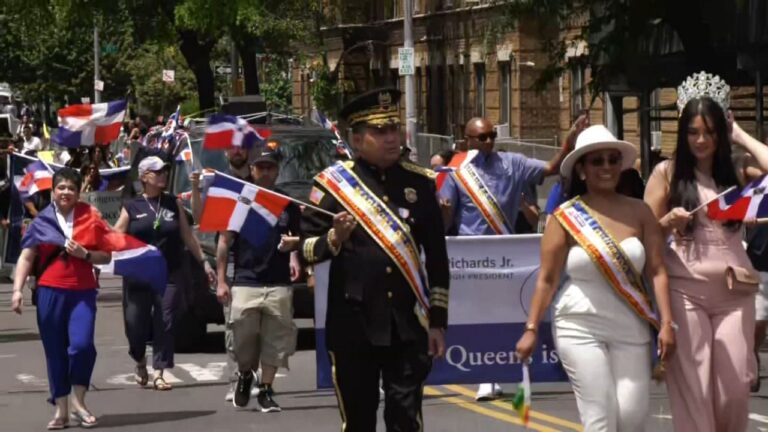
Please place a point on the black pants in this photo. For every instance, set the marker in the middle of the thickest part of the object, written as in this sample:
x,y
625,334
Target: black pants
x,y
149,316
403,367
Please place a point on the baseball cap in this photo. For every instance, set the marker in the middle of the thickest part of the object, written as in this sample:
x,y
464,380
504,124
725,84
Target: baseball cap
x,y
267,155
151,163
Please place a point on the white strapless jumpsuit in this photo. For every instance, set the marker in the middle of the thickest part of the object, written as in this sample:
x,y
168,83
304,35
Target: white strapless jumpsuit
x,y
604,346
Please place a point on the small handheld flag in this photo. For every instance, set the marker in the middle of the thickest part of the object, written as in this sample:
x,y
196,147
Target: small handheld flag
x,y
749,203
522,400
224,131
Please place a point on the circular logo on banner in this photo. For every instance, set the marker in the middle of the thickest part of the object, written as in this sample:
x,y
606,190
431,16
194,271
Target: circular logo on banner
x,y
527,288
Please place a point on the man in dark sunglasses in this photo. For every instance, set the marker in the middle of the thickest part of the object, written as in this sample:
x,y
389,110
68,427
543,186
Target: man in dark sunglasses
x,y
484,196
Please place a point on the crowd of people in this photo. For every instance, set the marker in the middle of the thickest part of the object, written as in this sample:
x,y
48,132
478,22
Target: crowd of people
x,y
643,285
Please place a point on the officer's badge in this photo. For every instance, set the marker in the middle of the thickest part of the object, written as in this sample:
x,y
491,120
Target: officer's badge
x,y
385,100
410,195
316,195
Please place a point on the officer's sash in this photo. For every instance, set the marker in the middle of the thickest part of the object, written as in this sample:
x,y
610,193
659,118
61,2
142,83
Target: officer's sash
x,y
383,226
606,253
472,184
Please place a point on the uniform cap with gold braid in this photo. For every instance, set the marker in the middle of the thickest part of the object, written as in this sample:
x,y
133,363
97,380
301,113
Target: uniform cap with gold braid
x,y
375,108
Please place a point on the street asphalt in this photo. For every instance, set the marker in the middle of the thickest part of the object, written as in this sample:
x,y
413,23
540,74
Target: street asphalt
x,y
196,404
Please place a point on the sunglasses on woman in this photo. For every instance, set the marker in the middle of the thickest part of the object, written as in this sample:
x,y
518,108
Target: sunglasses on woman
x,y
612,160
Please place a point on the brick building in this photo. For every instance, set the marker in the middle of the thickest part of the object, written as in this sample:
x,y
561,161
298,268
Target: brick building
x,y
465,66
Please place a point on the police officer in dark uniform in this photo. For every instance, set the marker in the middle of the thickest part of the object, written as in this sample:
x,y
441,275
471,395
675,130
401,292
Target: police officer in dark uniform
x,y
373,331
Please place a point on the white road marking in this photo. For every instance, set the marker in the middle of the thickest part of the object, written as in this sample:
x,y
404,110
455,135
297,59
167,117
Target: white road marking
x,y
32,380
169,377
122,379
2,356
758,418
663,416
211,371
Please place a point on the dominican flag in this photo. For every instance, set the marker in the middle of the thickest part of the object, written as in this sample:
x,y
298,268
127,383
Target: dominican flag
x,y
234,205
131,258
323,121
459,160
224,131
89,124
185,155
741,205
38,177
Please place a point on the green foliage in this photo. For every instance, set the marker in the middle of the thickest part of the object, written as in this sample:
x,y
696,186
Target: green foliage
x,y
276,85
326,90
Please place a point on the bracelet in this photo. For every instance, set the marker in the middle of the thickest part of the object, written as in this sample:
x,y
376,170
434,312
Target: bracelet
x,y
532,328
331,238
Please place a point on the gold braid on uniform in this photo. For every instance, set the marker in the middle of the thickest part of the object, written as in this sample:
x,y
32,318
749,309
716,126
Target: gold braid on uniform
x,y
438,297
418,169
309,249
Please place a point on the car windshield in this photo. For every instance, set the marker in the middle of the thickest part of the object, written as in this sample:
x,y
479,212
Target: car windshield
x,y
304,152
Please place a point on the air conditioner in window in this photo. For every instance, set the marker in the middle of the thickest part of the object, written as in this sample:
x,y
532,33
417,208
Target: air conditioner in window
x,y
502,130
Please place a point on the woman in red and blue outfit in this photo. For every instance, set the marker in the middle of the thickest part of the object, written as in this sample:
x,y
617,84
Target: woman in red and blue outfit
x,y
66,302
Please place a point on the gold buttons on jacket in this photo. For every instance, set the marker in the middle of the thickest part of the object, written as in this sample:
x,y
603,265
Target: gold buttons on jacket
x,y
385,198
389,294
389,269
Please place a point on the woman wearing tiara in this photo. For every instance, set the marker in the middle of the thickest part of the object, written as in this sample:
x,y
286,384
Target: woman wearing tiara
x,y
710,276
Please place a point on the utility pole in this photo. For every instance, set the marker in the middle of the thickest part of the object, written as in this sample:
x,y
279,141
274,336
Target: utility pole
x,y
410,92
96,73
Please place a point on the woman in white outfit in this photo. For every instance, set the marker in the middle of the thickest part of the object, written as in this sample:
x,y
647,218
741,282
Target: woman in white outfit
x,y
602,317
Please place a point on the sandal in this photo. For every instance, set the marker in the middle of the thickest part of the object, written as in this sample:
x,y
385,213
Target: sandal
x,y
141,375
159,384
84,418
58,423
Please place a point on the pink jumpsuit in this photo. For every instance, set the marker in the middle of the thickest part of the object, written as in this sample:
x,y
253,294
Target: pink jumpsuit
x,y
708,376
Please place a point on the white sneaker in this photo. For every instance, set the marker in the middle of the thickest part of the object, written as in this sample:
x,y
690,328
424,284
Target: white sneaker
x,y
230,393
488,391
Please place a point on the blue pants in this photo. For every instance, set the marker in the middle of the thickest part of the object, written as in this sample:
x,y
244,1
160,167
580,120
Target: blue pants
x,y
66,321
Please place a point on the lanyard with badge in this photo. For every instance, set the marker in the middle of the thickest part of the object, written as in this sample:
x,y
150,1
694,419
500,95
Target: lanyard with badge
x,y
158,212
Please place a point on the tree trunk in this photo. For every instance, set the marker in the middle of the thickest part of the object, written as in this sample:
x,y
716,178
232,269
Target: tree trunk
x,y
198,57
247,49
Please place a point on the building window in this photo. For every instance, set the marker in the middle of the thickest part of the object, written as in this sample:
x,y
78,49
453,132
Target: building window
x,y
480,89
505,92
578,91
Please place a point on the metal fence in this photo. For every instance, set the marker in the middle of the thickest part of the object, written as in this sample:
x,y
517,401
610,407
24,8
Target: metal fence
x,y
429,144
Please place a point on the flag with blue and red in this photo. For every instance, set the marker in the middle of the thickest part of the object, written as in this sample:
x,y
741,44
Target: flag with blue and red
x,y
89,124
225,131
234,205
738,205
38,177
131,258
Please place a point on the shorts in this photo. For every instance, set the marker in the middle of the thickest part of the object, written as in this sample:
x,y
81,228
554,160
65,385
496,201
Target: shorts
x,y
262,325
761,300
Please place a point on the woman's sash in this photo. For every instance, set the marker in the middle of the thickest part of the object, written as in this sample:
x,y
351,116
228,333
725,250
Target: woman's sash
x,y
383,226
606,253
472,184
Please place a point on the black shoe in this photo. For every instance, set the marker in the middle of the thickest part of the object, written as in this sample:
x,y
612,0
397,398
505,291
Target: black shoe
x,y
265,400
243,389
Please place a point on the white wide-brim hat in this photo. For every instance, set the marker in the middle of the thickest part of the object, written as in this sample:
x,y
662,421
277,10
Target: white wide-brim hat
x,y
594,138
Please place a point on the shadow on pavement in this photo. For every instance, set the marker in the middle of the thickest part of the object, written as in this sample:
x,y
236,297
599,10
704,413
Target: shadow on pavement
x,y
18,337
134,419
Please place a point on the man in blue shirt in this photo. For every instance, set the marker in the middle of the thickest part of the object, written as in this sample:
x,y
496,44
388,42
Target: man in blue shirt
x,y
506,176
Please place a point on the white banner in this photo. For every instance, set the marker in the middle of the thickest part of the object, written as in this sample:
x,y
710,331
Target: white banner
x,y
492,281
108,203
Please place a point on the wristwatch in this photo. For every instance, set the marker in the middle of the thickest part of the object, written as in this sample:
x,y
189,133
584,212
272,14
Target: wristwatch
x,y
88,256
672,324
531,327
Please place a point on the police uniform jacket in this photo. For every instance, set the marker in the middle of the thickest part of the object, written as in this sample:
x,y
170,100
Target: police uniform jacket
x,y
368,297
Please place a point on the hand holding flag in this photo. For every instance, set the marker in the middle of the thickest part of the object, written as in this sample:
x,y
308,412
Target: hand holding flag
x,y
747,204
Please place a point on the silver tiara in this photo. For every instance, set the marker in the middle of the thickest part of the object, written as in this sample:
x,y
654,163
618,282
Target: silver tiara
x,y
704,84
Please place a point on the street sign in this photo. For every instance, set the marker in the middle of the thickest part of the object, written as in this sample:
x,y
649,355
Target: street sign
x,y
169,76
406,61
224,70
109,48
98,85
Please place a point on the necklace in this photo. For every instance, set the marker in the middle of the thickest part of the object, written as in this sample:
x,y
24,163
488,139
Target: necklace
x,y
156,224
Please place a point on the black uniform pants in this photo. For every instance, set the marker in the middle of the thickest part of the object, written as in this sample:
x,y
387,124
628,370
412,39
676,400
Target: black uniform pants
x,y
149,316
402,366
